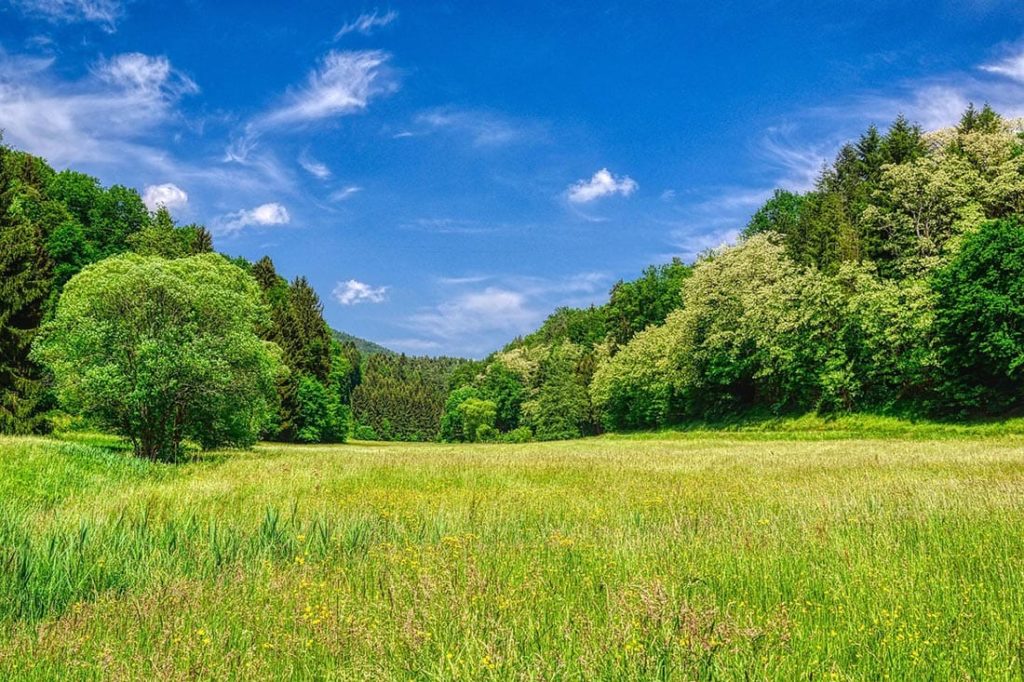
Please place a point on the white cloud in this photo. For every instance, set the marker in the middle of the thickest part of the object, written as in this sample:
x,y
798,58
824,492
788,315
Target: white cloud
x,y
264,215
345,193
1011,66
493,309
688,245
168,195
602,184
480,128
314,167
344,83
451,226
146,75
481,312
98,119
800,162
102,12
365,23
354,292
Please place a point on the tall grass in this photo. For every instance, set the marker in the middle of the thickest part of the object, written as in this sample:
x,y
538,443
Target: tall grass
x,y
712,558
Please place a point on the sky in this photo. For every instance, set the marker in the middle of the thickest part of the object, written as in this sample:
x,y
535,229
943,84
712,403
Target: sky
x,y
447,174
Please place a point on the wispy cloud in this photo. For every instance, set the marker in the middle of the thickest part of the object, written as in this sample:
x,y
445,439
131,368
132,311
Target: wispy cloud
x,y
343,83
366,23
479,312
106,13
354,292
97,119
168,195
797,163
315,168
481,129
1011,66
146,75
602,184
493,309
264,215
345,193
450,226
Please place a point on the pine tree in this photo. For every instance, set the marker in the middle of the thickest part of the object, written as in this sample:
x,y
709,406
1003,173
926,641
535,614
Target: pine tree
x,y
307,335
25,280
903,142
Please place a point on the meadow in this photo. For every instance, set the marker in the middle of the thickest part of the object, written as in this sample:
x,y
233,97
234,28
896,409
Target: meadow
x,y
746,555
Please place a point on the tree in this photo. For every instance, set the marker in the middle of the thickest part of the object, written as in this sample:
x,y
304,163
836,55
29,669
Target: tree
x,y
162,237
307,335
477,418
320,417
980,320
502,387
647,300
781,214
451,429
26,272
161,351
561,408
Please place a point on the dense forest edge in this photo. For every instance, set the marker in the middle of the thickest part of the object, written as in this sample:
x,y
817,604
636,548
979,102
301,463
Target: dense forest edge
x,y
892,289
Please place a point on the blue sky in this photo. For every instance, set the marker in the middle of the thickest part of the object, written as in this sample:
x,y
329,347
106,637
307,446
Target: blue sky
x,y
446,174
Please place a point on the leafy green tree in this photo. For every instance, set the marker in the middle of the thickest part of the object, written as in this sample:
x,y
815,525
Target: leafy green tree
x,y
114,216
503,387
402,397
980,319
320,416
647,300
477,418
584,326
451,429
561,408
307,336
162,237
781,214
161,351
636,388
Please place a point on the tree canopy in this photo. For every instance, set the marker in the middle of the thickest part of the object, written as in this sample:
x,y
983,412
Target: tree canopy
x,y
162,350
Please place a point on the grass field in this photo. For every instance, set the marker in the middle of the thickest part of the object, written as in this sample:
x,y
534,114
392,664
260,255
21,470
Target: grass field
x,y
714,557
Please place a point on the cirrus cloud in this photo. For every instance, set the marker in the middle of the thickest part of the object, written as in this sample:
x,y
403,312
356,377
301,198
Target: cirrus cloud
x,y
344,83
365,23
103,12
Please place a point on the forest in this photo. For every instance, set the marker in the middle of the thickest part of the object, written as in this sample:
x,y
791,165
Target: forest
x,y
894,286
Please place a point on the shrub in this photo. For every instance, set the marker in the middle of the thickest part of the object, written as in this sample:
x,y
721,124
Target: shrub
x,y
364,432
519,435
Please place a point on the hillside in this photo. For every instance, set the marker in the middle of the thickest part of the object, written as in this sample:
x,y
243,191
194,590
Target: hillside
x,y
365,347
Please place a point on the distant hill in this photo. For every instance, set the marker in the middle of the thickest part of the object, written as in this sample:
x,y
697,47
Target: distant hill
x,y
365,347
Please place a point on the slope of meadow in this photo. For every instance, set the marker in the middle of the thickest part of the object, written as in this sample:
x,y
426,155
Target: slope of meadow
x,y
605,558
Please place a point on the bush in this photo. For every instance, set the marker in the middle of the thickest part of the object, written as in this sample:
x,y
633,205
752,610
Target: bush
x,y
364,432
519,435
485,433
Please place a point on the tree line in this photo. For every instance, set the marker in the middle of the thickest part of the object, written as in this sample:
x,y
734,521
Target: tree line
x,y
895,285
118,316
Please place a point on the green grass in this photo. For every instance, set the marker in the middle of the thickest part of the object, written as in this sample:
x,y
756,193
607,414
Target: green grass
x,y
710,557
